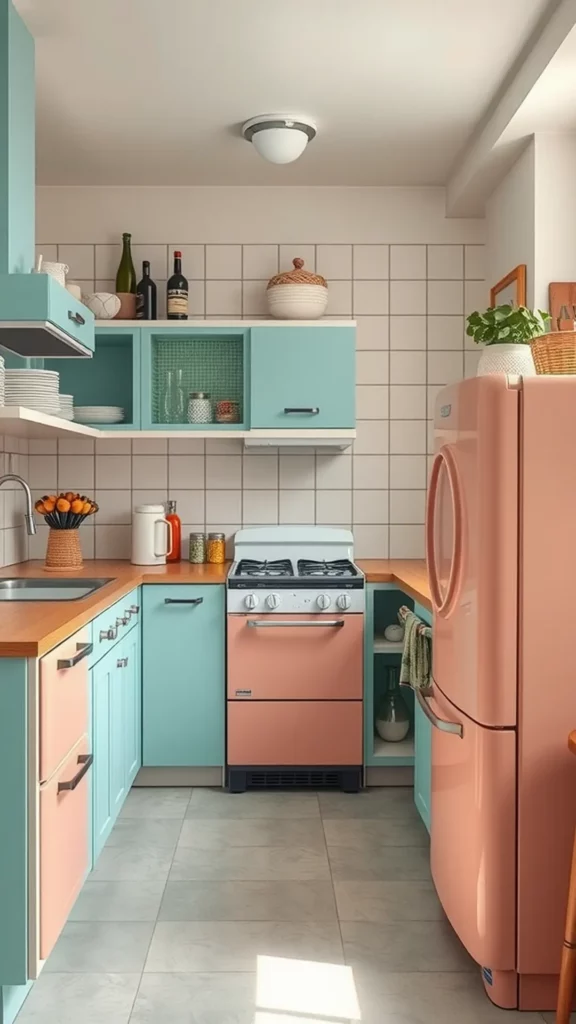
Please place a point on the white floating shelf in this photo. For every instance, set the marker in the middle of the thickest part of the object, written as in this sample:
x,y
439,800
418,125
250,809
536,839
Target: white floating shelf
x,y
405,748
382,646
20,422
155,325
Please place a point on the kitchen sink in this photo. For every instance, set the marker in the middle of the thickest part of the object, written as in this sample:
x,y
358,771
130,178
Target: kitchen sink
x,y
63,589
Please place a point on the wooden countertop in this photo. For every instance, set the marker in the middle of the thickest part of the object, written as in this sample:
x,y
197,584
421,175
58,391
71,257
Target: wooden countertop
x,y
30,629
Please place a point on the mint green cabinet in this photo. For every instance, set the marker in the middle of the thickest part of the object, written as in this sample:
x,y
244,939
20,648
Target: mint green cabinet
x,y
111,377
302,377
103,676
183,675
132,686
422,749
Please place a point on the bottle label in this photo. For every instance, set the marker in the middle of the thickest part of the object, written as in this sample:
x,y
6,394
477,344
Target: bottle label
x,y
177,301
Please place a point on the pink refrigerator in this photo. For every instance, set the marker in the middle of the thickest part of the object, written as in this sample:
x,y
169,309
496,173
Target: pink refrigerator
x,y
501,552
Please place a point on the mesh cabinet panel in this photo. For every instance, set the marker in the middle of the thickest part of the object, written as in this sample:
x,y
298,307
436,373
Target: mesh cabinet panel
x,y
213,364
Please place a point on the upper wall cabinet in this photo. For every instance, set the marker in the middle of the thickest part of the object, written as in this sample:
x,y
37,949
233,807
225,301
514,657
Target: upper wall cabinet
x,y
302,377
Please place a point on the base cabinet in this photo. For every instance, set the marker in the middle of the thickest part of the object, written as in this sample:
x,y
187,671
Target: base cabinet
x,y
422,749
183,676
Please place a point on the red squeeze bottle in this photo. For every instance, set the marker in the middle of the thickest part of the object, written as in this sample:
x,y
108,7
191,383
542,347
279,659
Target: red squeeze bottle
x,y
173,518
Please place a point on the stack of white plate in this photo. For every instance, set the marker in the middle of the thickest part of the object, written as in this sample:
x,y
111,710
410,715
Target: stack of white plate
x,y
98,414
1,381
34,389
67,407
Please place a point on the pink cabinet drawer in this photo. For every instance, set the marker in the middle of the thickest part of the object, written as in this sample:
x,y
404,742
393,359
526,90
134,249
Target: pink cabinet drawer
x,y
63,700
295,732
63,843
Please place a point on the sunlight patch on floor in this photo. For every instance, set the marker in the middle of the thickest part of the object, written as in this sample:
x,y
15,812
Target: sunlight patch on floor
x,y
304,987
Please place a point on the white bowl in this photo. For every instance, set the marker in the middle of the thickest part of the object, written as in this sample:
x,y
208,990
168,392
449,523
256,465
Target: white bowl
x,y
297,301
104,305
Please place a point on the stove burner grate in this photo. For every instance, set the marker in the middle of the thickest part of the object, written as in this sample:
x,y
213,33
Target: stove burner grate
x,y
338,567
253,567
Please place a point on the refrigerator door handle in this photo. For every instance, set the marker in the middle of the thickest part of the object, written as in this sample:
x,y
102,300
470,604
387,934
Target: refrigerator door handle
x,y
443,602
439,723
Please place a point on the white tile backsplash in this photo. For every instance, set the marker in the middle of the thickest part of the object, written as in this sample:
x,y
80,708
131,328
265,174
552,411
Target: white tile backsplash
x,y
409,301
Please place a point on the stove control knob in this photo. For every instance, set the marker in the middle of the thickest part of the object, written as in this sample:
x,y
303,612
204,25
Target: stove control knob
x,y
273,601
323,601
344,602
251,601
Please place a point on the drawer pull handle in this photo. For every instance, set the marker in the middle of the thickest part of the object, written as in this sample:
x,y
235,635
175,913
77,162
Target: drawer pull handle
x,y
76,317
86,760
122,663
109,634
310,411
123,620
134,609
183,600
438,723
82,651
265,623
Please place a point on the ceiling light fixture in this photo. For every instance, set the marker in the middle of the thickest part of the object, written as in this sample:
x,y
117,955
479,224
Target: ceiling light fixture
x,y
279,138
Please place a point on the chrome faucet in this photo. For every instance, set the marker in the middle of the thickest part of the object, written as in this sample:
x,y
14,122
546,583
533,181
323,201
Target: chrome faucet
x,y
29,514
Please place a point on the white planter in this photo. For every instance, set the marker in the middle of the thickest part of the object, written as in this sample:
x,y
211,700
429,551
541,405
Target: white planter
x,y
515,359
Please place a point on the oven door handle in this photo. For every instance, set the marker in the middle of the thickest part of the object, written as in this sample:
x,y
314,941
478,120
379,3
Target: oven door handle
x,y
270,624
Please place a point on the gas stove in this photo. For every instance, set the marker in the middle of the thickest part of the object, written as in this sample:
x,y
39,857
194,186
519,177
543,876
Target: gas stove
x,y
294,569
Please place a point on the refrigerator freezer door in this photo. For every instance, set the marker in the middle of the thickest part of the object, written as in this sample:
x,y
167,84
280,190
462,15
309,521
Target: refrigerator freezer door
x,y
472,547
473,842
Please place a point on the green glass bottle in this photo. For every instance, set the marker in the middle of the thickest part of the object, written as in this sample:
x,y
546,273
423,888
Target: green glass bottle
x,y
126,274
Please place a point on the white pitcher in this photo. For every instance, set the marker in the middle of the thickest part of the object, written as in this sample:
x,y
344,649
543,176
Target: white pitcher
x,y
151,535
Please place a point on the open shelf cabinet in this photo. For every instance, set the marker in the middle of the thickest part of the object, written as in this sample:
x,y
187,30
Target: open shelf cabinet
x,y
382,603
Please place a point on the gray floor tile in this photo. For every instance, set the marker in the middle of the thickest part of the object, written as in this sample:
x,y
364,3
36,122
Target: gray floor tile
x,y
379,863
155,831
404,945
250,863
550,1017
358,832
134,863
156,802
101,948
383,802
248,901
382,902
217,803
184,946
219,834
90,998
196,999
118,901
431,998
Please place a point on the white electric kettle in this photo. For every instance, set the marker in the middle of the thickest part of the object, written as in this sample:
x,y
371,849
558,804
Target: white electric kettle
x,y
151,535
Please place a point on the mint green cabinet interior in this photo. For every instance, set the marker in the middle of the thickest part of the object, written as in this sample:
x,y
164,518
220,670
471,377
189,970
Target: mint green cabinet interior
x,y
312,369
183,644
211,360
111,377
382,603
423,749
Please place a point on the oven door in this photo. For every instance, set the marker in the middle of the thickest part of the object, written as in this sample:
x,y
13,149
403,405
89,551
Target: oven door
x,y
295,657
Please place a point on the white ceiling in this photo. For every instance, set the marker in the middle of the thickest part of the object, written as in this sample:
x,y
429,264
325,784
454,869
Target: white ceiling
x,y
551,104
150,93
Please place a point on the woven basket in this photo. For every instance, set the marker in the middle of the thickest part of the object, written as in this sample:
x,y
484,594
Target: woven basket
x,y
63,553
555,352
297,276
297,294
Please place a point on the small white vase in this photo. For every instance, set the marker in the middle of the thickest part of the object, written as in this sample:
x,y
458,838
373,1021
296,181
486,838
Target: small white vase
x,y
504,358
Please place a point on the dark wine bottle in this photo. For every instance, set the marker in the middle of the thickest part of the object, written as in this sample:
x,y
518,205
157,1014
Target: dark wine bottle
x,y
146,295
177,292
126,275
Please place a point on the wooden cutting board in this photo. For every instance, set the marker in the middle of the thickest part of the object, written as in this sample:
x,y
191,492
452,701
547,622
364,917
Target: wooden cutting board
x,y
562,293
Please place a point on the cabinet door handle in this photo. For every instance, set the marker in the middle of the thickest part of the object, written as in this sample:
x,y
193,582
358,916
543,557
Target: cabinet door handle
x,y
183,600
109,634
122,663
76,317
86,760
311,411
134,609
271,624
82,651
123,620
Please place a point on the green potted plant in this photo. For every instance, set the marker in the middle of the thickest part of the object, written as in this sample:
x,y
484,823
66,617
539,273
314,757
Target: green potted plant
x,y
506,333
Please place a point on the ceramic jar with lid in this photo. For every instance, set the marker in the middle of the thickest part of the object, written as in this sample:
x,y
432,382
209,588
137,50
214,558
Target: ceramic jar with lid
x,y
297,294
199,407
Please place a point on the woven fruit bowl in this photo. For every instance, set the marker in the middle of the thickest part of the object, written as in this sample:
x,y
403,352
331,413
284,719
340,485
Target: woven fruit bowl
x,y
64,513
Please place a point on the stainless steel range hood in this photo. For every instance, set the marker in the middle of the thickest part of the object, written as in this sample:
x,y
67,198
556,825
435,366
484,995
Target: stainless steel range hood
x,y
337,439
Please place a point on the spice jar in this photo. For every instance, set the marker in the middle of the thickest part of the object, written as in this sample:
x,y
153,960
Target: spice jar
x,y
199,407
227,411
197,550
216,548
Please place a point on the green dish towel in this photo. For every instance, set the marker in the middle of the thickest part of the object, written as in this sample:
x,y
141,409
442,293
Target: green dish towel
x,y
416,664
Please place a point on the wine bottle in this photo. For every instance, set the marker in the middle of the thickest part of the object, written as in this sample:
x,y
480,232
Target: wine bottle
x,y
126,281
146,295
177,292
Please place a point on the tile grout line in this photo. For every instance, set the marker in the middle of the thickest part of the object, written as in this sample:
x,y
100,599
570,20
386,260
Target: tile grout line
x,y
339,923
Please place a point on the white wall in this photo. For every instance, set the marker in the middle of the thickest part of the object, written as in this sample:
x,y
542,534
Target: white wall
x,y
510,223
13,539
555,193
393,262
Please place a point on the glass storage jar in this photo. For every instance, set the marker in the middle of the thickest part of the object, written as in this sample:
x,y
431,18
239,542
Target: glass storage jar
x,y
216,548
197,550
199,407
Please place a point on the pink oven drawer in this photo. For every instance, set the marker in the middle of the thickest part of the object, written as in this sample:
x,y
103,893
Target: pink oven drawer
x,y
294,732
63,843
63,700
274,658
